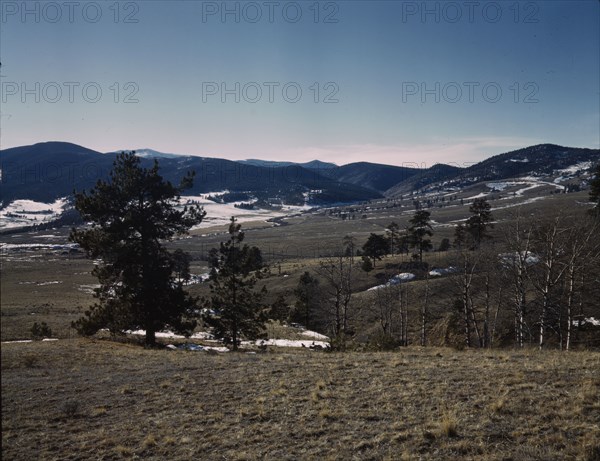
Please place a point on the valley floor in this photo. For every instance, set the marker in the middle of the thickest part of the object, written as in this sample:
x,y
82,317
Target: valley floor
x,y
89,399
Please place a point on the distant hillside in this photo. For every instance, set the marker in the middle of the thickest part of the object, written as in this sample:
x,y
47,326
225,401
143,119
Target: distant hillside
x,y
371,175
540,161
46,171
436,173
312,165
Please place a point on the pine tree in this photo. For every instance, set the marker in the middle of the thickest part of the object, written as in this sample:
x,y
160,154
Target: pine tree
x,y
420,228
307,300
132,215
460,236
376,247
366,265
480,220
235,309
445,245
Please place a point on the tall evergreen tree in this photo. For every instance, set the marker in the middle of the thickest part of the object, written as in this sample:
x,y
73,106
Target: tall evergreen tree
x,y
132,215
479,221
419,231
307,300
460,236
235,308
376,247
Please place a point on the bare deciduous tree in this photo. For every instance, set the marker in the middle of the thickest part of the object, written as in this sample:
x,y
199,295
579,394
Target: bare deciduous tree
x,y
338,276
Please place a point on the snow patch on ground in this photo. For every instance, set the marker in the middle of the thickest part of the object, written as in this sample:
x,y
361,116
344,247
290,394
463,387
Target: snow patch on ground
x,y
480,195
171,335
28,340
37,246
39,284
317,340
291,343
440,272
89,289
395,280
575,168
315,335
590,320
219,214
529,257
23,213
524,202
197,348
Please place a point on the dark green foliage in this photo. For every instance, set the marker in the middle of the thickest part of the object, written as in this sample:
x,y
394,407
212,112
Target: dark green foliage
x,y
235,308
376,247
280,310
444,245
308,298
419,231
181,265
480,220
39,331
366,265
460,236
141,282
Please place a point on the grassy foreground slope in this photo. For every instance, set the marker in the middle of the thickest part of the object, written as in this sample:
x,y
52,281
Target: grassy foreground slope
x,y
84,399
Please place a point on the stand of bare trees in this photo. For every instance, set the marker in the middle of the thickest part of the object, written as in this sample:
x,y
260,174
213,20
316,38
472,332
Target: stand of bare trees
x,y
548,265
535,281
337,274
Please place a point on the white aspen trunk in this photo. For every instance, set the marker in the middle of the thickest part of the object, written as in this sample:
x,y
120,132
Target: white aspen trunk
x,y
486,317
424,312
493,333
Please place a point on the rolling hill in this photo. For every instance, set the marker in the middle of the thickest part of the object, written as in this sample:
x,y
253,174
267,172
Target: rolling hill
x,y
47,171
541,161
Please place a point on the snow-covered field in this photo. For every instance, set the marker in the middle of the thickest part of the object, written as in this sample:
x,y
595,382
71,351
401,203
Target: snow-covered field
x,y
22,213
38,246
219,214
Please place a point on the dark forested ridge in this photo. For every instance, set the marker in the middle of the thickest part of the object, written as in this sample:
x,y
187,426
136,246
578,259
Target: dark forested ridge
x,y
47,171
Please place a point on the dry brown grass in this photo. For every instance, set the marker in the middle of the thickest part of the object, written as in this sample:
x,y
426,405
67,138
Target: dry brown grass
x,y
428,404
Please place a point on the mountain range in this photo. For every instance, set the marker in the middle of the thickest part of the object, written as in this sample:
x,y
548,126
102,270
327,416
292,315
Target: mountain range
x,y
47,171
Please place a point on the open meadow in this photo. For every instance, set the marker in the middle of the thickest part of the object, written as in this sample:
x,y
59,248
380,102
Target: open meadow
x,y
82,399
90,399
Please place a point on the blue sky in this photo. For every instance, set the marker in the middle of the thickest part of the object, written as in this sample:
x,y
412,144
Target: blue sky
x,y
395,82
